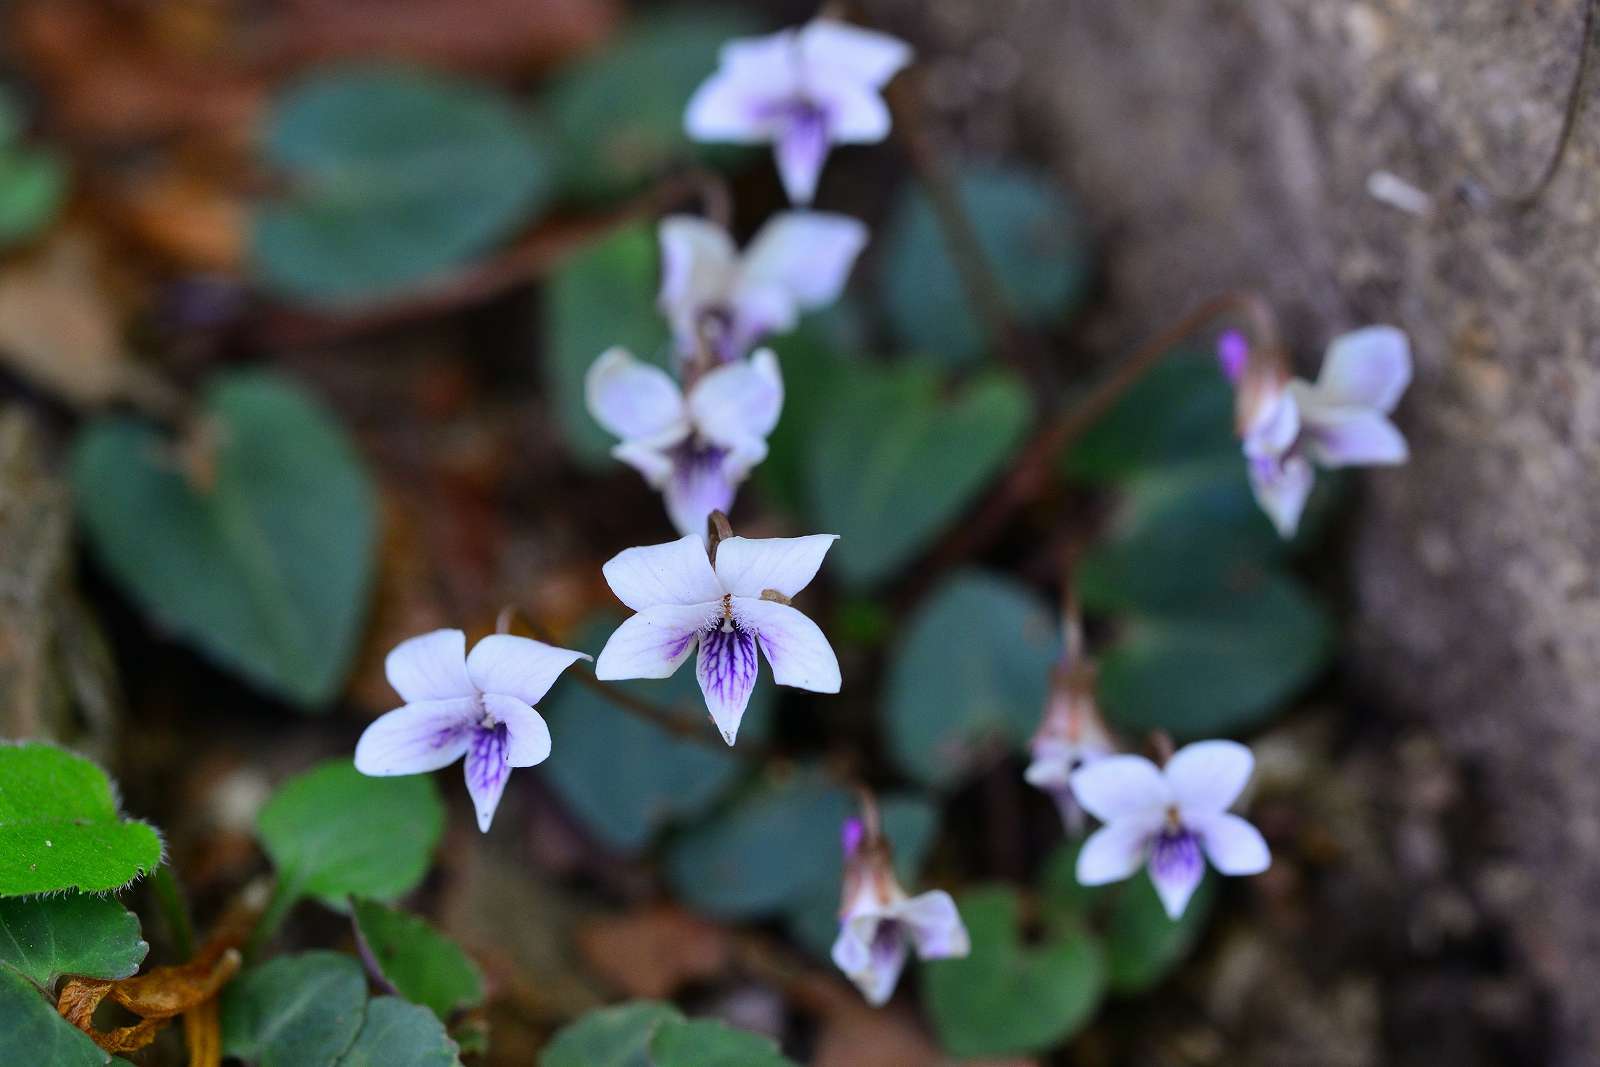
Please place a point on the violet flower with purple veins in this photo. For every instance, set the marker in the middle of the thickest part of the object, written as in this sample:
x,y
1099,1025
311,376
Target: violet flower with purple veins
x,y
1171,819
804,91
480,706
695,449
683,602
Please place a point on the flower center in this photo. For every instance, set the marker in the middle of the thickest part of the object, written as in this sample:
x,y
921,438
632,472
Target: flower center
x,y
727,613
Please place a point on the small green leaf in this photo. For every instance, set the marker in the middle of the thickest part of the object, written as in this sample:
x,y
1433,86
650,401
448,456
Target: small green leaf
x,y
971,673
619,1036
1032,240
815,374
334,832
295,1011
1180,412
893,462
397,1034
267,565
33,185
1142,944
426,967
31,1032
44,938
59,827
394,175
708,1043
1006,999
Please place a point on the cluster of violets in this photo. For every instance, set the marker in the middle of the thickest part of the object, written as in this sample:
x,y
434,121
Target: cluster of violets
x,y
695,429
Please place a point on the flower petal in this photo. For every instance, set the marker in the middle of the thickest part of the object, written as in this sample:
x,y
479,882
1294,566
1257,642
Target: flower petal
x,y
518,666
1232,844
698,265
807,254
727,674
936,926
1350,437
730,105
738,401
1121,787
432,666
654,643
702,481
1281,489
654,464
487,770
1367,368
417,738
1276,425
1176,868
851,952
749,566
800,148
795,646
1114,851
678,572
636,401
1208,776
527,734
863,55
887,945
856,113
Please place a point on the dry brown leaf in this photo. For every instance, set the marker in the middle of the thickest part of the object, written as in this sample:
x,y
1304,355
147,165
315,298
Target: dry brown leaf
x,y
193,219
652,953
58,326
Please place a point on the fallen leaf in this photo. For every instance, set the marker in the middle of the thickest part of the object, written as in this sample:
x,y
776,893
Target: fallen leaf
x,y
654,952
58,324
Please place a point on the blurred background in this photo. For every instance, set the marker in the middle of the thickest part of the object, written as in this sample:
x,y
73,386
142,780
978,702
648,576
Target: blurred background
x,y
375,245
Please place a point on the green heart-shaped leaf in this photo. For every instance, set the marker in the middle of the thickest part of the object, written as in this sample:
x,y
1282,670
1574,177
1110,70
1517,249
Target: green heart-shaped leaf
x,y
619,1036
266,565
708,1043
426,967
396,1034
44,938
32,1032
59,826
295,1011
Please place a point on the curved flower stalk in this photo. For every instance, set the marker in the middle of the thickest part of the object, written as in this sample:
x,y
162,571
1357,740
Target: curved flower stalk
x,y
480,706
715,297
683,601
879,924
1341,420
1171,819
1071,733
695,449
802,90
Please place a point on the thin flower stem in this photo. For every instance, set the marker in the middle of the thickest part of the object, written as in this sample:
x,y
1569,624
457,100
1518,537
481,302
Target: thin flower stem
x,y
174,909
369,960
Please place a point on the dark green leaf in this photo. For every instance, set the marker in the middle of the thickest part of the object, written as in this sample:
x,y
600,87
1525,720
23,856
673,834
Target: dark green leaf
x,y
708,1043
267,565
1179,413
1142,944
397,1034
33,185
296,1011
44,938
423,965
31,1032
394,175
816,371
611,1037
59,827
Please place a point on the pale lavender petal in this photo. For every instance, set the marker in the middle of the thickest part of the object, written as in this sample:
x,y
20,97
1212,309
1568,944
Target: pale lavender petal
x,y
698,265
432,666
1231,843
727,674
636,401
795,646
651,462
749,566
1275,427
527,734
518,666
1121,787
1353,437
654,642
856,114
852,952
678,572
887,944
801,147
936,926
1281,488
487,769
1208,776
806,254
734,104
417,738
1176,867
864,56
1115,851
702,482
739,400
1367,368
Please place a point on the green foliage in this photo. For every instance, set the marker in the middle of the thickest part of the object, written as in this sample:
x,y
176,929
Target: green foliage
x,y
426,967
32,1033
1007,998
970,674
295,1011
1032,240
33,182
396,1034
618,115
1181,412
816,372
44,938
626,778
708,1043
604,295
59,826
894,461
334,832
263,555
618,1036
394,175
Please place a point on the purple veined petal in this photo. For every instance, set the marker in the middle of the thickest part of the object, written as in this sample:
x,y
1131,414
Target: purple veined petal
x,y
935,925
527,734
794,645
803,133
1352,437
655,642
651,462
417,738
1231,844
864,56
726,671
487,769
1281,489
678,572
1207,777
634,400
698,265
738,400
749,566
432,666
807,254
1367,368
701,483
1121,787
1176,867
518,666
1115,851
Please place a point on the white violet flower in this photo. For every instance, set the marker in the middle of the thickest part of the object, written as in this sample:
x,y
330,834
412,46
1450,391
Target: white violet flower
x,y
683,601
480,706
879,924
1341,420
712,294
803,90
695,449
1170,818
